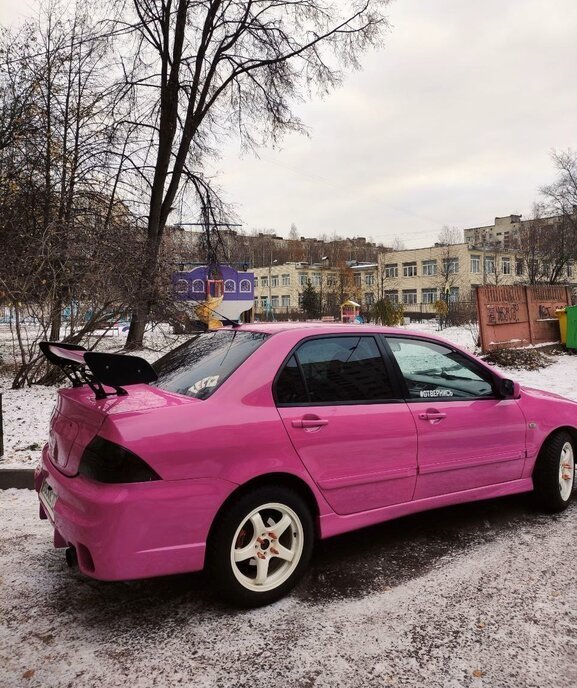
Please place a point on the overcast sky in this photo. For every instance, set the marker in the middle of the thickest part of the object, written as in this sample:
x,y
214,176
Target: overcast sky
x,y
452,123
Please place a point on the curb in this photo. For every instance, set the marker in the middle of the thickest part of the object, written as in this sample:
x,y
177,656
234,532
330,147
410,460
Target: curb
x,y
22,478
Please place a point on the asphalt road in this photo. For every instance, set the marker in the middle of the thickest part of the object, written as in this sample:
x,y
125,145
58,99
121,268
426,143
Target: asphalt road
x,y
477,595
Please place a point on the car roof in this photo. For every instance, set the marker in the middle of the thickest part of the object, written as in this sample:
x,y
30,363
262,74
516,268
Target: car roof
x,y
324,328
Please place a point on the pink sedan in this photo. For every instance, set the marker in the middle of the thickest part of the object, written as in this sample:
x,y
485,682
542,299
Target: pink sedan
x,y
246,444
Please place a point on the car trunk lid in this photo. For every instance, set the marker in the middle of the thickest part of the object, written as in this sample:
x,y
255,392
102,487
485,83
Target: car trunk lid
x,y
78,417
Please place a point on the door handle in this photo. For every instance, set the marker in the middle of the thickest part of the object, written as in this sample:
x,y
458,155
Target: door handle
x,y
432,415
309,423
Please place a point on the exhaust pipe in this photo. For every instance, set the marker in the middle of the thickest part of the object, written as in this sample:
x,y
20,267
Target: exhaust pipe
x,y
71,558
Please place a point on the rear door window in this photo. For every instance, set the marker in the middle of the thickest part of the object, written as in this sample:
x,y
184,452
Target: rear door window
x,y
200,365
334,370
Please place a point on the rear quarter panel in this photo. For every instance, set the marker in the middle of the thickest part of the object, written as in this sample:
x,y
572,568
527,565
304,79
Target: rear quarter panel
x,y
235,435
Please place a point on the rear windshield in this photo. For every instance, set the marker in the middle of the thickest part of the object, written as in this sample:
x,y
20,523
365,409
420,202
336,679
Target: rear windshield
x,y
200,365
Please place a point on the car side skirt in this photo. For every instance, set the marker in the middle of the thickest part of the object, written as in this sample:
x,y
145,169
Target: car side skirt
x,y
333,524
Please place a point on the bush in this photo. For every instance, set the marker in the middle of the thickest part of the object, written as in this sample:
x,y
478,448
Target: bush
x,y
386,312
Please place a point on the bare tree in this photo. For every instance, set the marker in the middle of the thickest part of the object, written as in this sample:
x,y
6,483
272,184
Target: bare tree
x,y
561,196
16,91
293,233
450,235
204,69
398,244
70,247
548,245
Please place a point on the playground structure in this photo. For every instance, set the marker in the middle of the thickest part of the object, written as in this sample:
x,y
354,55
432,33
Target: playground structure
x,y
211,297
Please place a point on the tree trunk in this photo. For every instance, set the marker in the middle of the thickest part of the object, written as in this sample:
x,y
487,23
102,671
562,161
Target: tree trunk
x,y
56,319
146,291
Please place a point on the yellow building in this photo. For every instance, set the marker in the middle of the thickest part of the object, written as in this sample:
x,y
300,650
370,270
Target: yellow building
x,y
421,276
278,288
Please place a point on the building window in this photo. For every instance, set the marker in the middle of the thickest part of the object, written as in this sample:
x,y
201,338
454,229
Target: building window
x,y
476,264
274,281
286,301
454,294
392,295
409,296
229,286
569,270
286,280
451,266
369,279
428,295
518,268
369,298
244,286
255,281
274,301
506,266
410,270
429,267
331,280
264,281
317,278
198,286
489,265
392,270
303,279
181,286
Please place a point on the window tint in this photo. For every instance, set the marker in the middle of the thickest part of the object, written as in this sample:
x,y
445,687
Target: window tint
x,y
199,366
433,371
336,369
290,388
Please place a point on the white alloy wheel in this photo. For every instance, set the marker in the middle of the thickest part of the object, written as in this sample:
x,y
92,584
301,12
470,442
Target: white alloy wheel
x,y
566,471
267,547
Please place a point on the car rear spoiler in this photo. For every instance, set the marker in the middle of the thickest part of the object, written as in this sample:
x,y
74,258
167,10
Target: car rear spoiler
x,y
98,370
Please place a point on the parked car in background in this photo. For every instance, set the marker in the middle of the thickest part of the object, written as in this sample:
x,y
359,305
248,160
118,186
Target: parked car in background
x,y
246,444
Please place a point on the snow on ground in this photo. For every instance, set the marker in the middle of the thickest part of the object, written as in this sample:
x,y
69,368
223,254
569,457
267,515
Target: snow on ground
x,y
27,411
476,596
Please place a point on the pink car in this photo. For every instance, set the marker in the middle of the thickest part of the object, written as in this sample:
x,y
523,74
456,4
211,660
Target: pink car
x,y
246,444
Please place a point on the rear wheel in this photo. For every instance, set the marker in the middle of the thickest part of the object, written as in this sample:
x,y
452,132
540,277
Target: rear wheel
x,y
554,474
261,546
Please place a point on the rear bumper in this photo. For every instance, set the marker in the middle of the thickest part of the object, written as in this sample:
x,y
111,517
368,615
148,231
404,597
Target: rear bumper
x,y
141,530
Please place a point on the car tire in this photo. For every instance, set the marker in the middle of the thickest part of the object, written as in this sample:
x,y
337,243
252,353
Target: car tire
x,y
260,546
554,474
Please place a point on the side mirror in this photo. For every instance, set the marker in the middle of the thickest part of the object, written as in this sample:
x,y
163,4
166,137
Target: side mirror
x,y
509,389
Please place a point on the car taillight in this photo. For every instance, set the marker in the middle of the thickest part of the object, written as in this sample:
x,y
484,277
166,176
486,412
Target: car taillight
x,y
107,462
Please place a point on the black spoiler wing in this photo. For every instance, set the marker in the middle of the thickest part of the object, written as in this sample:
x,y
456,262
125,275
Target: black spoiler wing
x,y
98,369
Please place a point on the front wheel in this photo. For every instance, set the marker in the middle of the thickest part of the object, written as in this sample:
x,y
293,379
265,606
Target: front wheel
x,y
554,474
261,546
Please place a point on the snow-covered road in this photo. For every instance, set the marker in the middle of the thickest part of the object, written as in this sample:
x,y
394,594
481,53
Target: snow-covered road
x,y
481,595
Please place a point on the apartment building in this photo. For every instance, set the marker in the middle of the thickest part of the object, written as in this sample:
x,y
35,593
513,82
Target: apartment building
x,y
506,232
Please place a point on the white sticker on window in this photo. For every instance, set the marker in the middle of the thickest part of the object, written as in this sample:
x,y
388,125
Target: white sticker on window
x,y
436,393
210,381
